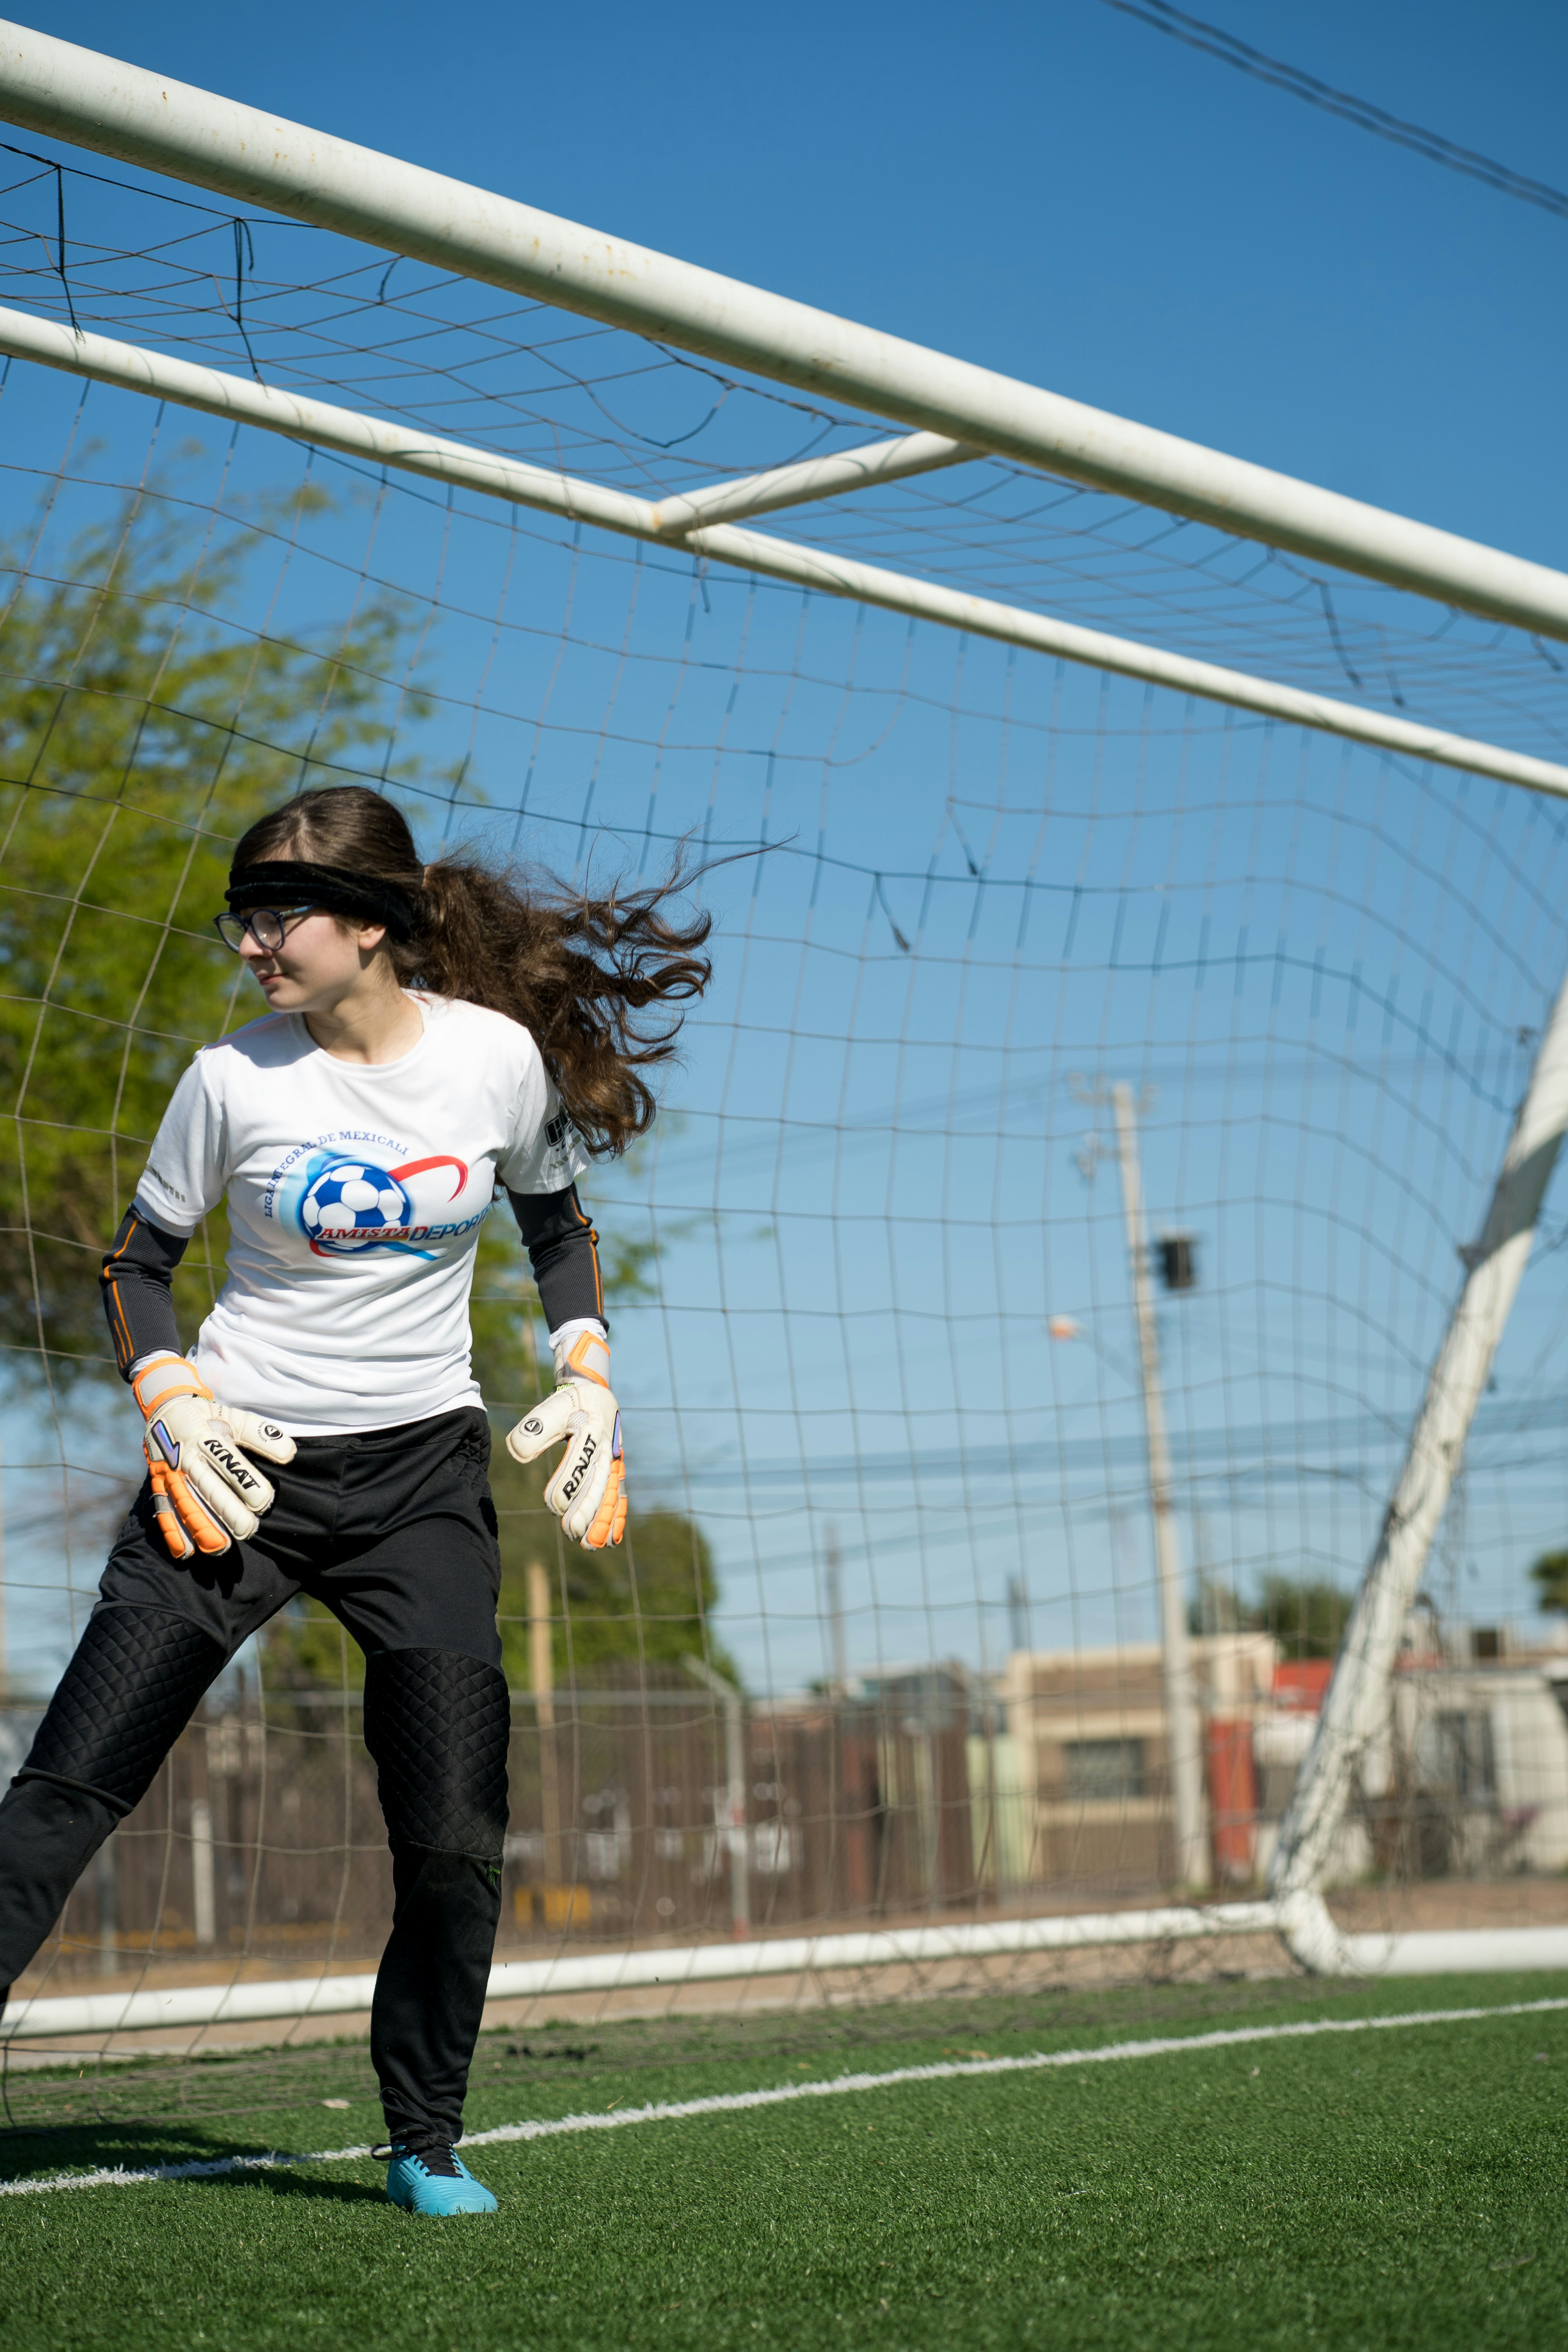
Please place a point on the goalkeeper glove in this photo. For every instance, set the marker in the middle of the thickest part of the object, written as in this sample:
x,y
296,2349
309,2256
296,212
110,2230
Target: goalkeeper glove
x,y
205,1492
587,1493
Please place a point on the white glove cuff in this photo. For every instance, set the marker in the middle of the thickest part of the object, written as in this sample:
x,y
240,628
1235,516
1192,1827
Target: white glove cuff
x,y
582,1348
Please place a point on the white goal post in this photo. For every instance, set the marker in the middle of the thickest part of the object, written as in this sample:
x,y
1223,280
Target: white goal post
x,y
1355,1708
951,412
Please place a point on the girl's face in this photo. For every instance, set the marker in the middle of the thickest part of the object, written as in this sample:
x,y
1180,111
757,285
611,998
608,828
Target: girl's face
x,y
322,960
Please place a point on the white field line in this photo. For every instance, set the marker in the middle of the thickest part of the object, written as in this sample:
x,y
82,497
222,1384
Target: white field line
x,y
726,2103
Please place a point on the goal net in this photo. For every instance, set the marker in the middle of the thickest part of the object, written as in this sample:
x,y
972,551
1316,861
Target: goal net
x,y
1079,1049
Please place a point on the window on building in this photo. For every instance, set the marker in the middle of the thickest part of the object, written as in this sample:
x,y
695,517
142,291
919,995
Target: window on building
x,y
1099,1769
1465,1761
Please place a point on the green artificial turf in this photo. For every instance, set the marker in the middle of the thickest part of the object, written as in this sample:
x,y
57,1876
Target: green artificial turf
x,y
1388,2189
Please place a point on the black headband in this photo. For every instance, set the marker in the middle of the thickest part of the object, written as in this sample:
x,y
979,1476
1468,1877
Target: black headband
x,y
291,882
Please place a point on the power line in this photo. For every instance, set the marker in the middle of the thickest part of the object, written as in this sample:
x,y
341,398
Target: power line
x,y
1197,35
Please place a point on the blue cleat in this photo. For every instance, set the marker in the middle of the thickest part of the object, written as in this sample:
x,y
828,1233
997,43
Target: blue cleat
x,y
434,2180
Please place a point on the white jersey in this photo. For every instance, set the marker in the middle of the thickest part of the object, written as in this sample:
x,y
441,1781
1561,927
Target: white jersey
x,y
355,1192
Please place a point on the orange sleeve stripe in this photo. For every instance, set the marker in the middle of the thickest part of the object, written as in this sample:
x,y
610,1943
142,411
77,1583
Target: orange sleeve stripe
x,y
121,1329
593,1245
125,1245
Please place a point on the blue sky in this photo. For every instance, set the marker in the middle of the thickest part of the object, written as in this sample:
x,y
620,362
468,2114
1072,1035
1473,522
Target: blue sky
x,y
1064,194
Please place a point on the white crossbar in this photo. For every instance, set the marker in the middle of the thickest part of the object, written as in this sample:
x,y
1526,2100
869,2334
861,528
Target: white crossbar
x,y
299,418
812,478
66,92
667,1969
1433,1952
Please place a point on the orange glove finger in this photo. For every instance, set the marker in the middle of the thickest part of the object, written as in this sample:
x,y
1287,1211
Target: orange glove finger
x,y
174,1499
610,1518
176,1542
199,1446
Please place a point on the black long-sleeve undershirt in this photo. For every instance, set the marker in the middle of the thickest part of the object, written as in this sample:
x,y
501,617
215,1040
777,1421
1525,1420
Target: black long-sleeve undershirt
x,y
564,1253
139,1271
136,1279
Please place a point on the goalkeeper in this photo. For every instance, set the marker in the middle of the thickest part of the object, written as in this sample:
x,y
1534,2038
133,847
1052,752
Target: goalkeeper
x,y
433,1034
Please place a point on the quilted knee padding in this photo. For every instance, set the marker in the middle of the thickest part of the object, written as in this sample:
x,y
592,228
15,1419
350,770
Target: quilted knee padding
x,y
123,1701
437,1725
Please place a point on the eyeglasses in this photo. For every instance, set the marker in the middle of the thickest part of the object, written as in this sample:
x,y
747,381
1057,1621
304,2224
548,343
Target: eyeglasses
x,y
267,926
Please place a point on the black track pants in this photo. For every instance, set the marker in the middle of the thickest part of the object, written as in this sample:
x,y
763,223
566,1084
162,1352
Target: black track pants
x,y
394,1532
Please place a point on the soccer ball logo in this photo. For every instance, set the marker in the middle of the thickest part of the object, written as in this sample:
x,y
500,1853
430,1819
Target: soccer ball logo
x,y
351,1206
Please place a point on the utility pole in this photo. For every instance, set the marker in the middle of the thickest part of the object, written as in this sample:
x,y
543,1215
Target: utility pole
x,y
833,1578
542,1683
735,1805
1184,1725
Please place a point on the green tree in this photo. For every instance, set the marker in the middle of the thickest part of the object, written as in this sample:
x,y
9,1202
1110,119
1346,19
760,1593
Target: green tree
x,y
1212,1608
1306,1618
142,729
1549,1577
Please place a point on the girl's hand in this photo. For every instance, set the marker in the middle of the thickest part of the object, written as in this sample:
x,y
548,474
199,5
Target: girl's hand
x,y
205,1492
587,1493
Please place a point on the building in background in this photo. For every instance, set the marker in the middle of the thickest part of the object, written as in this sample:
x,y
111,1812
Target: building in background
x,y
1089,1734
1469,1778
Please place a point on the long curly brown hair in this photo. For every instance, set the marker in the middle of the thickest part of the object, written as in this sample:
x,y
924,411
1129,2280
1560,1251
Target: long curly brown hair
x,y
577,971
